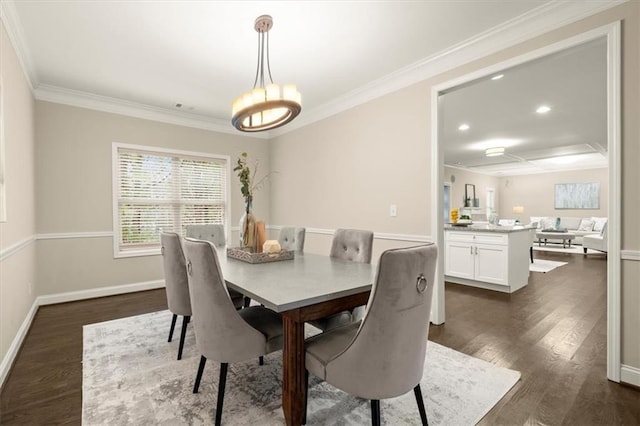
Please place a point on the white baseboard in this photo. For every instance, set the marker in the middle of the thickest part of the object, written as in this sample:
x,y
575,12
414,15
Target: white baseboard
x,y
8,359
71,296
630,375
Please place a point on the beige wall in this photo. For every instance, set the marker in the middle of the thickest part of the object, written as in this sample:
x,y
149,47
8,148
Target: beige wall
x,y
17,267
74,180
346,169
536,194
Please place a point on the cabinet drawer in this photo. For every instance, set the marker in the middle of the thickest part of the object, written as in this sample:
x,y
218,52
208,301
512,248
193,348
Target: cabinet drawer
x,y
463,237
474,237
493,238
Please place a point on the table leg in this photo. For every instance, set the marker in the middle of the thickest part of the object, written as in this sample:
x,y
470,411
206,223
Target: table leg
x,y
293,370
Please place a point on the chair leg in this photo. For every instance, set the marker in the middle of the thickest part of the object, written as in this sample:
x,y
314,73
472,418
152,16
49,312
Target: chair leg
x,y
531,253
247,302
261,360
203,361
183,333
173,325
375,412
306,396
221,385
420,401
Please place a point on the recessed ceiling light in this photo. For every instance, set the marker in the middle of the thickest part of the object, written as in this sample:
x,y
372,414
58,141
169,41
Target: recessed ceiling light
x,y
494,152
497,77
463,127
543,109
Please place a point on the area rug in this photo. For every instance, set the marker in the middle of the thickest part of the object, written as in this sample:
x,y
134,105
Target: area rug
x,y
559,249
541,265
131,376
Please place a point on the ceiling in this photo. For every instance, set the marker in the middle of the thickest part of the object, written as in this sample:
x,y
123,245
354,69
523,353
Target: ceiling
x,y
502,113
142,58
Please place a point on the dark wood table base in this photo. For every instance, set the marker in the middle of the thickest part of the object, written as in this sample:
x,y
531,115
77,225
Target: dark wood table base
x,y
294,390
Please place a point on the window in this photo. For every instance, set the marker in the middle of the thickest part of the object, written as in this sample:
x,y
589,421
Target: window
x,y
158,190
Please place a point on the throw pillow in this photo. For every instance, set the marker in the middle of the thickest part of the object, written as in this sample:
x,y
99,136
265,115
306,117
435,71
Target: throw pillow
x,y
537,220
598,223
586,225
548,223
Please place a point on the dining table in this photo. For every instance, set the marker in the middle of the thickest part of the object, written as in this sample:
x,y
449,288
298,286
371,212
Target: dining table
x,y
308,287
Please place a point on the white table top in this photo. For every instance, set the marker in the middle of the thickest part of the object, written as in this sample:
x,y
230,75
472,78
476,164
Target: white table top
x,y
306,280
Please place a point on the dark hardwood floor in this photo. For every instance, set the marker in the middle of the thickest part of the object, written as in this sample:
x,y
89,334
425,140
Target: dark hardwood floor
x,y
553,331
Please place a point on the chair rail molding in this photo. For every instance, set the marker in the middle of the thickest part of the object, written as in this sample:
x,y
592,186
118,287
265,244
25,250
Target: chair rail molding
x,y
15,248
69,235
630,255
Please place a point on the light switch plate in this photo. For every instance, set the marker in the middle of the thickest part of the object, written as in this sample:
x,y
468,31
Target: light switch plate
x,y
393,210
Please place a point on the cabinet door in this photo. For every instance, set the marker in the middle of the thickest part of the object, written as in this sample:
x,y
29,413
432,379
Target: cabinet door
x,y
492,264
459,260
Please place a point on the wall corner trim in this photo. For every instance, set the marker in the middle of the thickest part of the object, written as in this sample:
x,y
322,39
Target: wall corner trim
x,y
16,344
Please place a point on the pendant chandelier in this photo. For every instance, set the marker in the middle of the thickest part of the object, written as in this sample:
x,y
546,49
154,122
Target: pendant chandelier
x,y
266,106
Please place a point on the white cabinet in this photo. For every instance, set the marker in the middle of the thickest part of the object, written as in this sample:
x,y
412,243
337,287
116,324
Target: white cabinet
x,y
498,261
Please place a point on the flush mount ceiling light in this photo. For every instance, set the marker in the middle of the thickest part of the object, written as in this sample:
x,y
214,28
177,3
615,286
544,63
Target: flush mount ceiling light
x,y
494,152
497,77
543,109
463,127
266,106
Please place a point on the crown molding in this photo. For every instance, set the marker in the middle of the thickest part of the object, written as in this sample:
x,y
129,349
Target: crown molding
x,y
12,25
60,95
545,18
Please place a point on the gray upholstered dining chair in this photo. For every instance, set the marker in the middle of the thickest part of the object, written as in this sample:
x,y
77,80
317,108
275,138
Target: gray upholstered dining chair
x,y
176,284
291,238
382,356
215,233
223,333
349,245
211,232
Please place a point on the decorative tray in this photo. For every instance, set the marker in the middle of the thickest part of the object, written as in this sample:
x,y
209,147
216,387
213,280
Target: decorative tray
x,y
246,255
461,222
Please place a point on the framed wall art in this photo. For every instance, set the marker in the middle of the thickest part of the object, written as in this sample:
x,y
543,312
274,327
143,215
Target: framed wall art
x,y
577,196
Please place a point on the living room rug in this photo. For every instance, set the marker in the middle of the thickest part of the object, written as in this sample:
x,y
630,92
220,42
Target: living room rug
x,y
544,266
559,249
131,376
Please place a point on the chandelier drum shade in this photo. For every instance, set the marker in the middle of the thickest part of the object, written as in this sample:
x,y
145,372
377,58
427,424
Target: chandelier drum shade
x,y
267,106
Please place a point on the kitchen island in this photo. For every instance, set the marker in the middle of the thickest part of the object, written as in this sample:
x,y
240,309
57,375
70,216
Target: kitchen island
x,y
488,256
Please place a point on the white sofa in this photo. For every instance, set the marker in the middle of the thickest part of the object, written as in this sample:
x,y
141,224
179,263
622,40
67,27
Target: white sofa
x,y
596,241
579,226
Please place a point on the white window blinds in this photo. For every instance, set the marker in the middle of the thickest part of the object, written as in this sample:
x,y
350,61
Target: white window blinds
x,y
160,191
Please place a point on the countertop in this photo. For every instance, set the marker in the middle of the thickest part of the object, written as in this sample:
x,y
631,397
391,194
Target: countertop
x,y
488,228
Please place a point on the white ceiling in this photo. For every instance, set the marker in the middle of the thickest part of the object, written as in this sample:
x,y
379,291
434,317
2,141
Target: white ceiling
x,y
502,113
144,57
